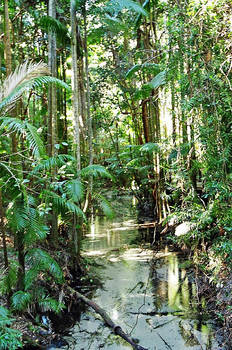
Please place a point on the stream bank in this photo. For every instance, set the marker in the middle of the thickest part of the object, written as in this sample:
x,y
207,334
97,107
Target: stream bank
x,y
156,295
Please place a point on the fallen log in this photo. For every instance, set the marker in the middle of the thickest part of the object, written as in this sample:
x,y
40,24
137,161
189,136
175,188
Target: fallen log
x,y
116,328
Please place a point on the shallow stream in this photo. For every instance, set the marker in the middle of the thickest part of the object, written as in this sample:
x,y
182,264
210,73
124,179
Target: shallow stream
x,y
151,295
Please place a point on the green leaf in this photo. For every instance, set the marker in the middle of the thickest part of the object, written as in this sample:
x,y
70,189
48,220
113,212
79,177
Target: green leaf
x,y
149,67
130,5
50,304
158,80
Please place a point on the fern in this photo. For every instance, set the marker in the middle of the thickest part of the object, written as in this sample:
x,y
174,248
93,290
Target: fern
x,y
95,170
74,189
21,300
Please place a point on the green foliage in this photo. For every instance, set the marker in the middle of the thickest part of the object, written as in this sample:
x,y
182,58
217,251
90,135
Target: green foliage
x,y
23,128
20,300
9,337
95,171
74,189
40,260
105,206
51,24
145,67
62,204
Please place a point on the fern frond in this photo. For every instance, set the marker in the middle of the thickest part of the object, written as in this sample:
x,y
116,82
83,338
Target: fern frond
x,y
20,300
74,189
95,170
5,319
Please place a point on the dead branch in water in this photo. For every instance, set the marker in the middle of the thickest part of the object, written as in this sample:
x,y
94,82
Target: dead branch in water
x,y
116,328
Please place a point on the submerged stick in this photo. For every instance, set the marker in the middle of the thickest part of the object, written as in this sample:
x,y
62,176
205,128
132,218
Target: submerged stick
x,y
116,328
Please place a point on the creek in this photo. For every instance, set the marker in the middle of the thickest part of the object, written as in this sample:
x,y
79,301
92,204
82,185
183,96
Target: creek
x,y
150,294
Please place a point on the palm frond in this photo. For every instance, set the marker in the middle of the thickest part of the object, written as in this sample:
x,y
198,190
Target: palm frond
x,y
150,147
115,25
50,24
74,189
20,300
50,304
56,161
24,128
63,204
95,170
105,206
25,72
46,262
119,5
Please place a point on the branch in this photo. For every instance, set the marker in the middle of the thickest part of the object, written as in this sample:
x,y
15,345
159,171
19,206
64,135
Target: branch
x,y
116,328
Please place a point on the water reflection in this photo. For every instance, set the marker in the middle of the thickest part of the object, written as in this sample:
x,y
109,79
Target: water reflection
x,y
156,302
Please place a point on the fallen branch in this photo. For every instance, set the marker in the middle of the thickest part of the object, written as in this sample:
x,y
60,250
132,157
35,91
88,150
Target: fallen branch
x,y
116,328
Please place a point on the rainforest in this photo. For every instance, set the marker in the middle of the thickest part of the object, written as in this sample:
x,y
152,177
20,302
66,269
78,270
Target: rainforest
x,y
116,174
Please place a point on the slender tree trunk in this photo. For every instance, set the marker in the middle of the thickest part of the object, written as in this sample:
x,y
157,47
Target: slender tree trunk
x,y
75,235
52,111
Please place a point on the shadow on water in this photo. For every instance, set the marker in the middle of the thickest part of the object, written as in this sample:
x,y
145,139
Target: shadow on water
x,y
151,295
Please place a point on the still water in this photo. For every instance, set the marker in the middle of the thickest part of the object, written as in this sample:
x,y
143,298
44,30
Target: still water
x,y
149,294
